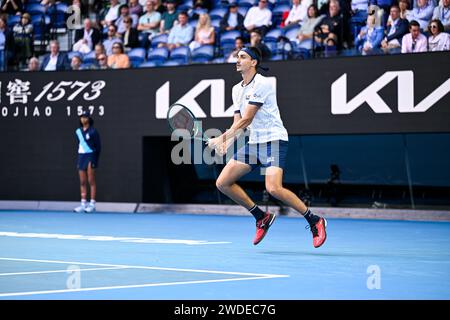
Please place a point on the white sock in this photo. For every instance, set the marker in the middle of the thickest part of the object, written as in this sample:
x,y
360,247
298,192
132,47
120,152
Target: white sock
x,y
93,202
83,202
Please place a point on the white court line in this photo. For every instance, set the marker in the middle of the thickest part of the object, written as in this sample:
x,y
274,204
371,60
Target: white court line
x,y
249,276
58,271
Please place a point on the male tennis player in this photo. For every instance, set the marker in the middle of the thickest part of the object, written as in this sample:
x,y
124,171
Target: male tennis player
x,y
256,108
89,147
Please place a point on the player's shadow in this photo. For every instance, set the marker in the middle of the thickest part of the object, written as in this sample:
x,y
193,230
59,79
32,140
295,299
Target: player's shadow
x,y
321,254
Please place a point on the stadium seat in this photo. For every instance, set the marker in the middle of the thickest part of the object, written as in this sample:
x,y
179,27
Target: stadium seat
x,y
71,54
228,37
291,34
180,54
160,38
246,3
158,55
218,13
185,6
243,11
171,63
136,56
13,20
193,23
202,54
89,58
41,25
273,35
35,9
148,64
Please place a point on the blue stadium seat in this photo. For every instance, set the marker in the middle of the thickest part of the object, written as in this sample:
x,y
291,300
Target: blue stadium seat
x,y
246,3
228,37
71,54
40,27
136,56
243,10
277,57
291,34
161,38
218,13
35,9
193,23
185,6
89,58
203,54
171,63
273,35
148,64
180,54
216,24
158,55
13,20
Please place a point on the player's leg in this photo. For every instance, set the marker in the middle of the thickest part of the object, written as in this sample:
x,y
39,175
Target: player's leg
x,y
83,190
92,187
274,186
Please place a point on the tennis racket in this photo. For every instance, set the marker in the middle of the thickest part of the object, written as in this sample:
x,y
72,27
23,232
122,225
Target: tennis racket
x,y
180,117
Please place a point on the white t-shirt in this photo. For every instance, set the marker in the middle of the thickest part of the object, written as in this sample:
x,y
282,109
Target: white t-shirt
x,y
267,124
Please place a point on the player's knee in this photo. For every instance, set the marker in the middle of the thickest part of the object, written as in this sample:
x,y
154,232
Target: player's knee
x,y
274,190
221,185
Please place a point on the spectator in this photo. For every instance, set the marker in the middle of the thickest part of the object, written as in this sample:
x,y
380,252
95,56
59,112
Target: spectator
x,y
330,30
397,27
422,13
204,32
203,4
298,12
258,17
33,64
55,60
442,12
238,45
125,12
414,41
86,38
232,20
149,23
76,62
6,45
102,61
112,38
118,59
135,7
385,6
256,41
112,14
405,13
369,38
168,17
12,7
130,37
159,7
23,39
99,49
438,40
181,34
306,32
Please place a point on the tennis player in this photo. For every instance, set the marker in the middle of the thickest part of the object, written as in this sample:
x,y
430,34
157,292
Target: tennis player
x,y
256,108
89,147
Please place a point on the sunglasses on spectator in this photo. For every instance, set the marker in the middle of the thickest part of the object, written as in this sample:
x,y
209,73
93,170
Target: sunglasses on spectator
x,y
433,26
101,58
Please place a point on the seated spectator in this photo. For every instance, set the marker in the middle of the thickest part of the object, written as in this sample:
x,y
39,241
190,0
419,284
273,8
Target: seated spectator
x,y
181,34
397,27
99,49
422,13
298,13
159,7
6,44
442,12
125,12
168,17
12,7
86,38
112,38
149,23
369,38
112,14
118,59
232,20
259,18
135,7
414,41
238,45
102,62
76,62
438,40
204,32
23,39
55,60
330,30
256,41
385,6
405,13
130,37
306,32
33,64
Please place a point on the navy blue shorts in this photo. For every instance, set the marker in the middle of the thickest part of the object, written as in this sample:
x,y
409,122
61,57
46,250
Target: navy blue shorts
x,y
85,158
272,153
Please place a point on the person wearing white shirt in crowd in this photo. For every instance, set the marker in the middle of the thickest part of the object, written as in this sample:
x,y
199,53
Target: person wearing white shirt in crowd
x,y
414,41
112,14
422,13
258,17
298,13
442,12
438,40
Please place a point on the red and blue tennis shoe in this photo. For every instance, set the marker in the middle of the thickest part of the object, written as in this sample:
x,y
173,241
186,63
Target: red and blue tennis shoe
x,y
319,231
262,226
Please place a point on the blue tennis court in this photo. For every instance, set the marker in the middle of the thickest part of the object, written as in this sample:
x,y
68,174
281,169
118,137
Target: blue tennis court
x,y
63,255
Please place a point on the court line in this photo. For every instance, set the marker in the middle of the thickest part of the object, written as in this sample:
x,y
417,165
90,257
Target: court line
x,y
248,276
57,271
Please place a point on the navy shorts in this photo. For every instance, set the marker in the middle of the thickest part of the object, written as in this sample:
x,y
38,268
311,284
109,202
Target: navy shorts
x,y
268,154
85,158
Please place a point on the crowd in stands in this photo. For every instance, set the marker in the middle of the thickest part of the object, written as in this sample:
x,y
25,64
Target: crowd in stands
x,y
115,34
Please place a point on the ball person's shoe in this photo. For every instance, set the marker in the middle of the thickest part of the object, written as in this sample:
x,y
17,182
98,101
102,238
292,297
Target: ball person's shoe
x,y
262,226
319,231
90,208
80,208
